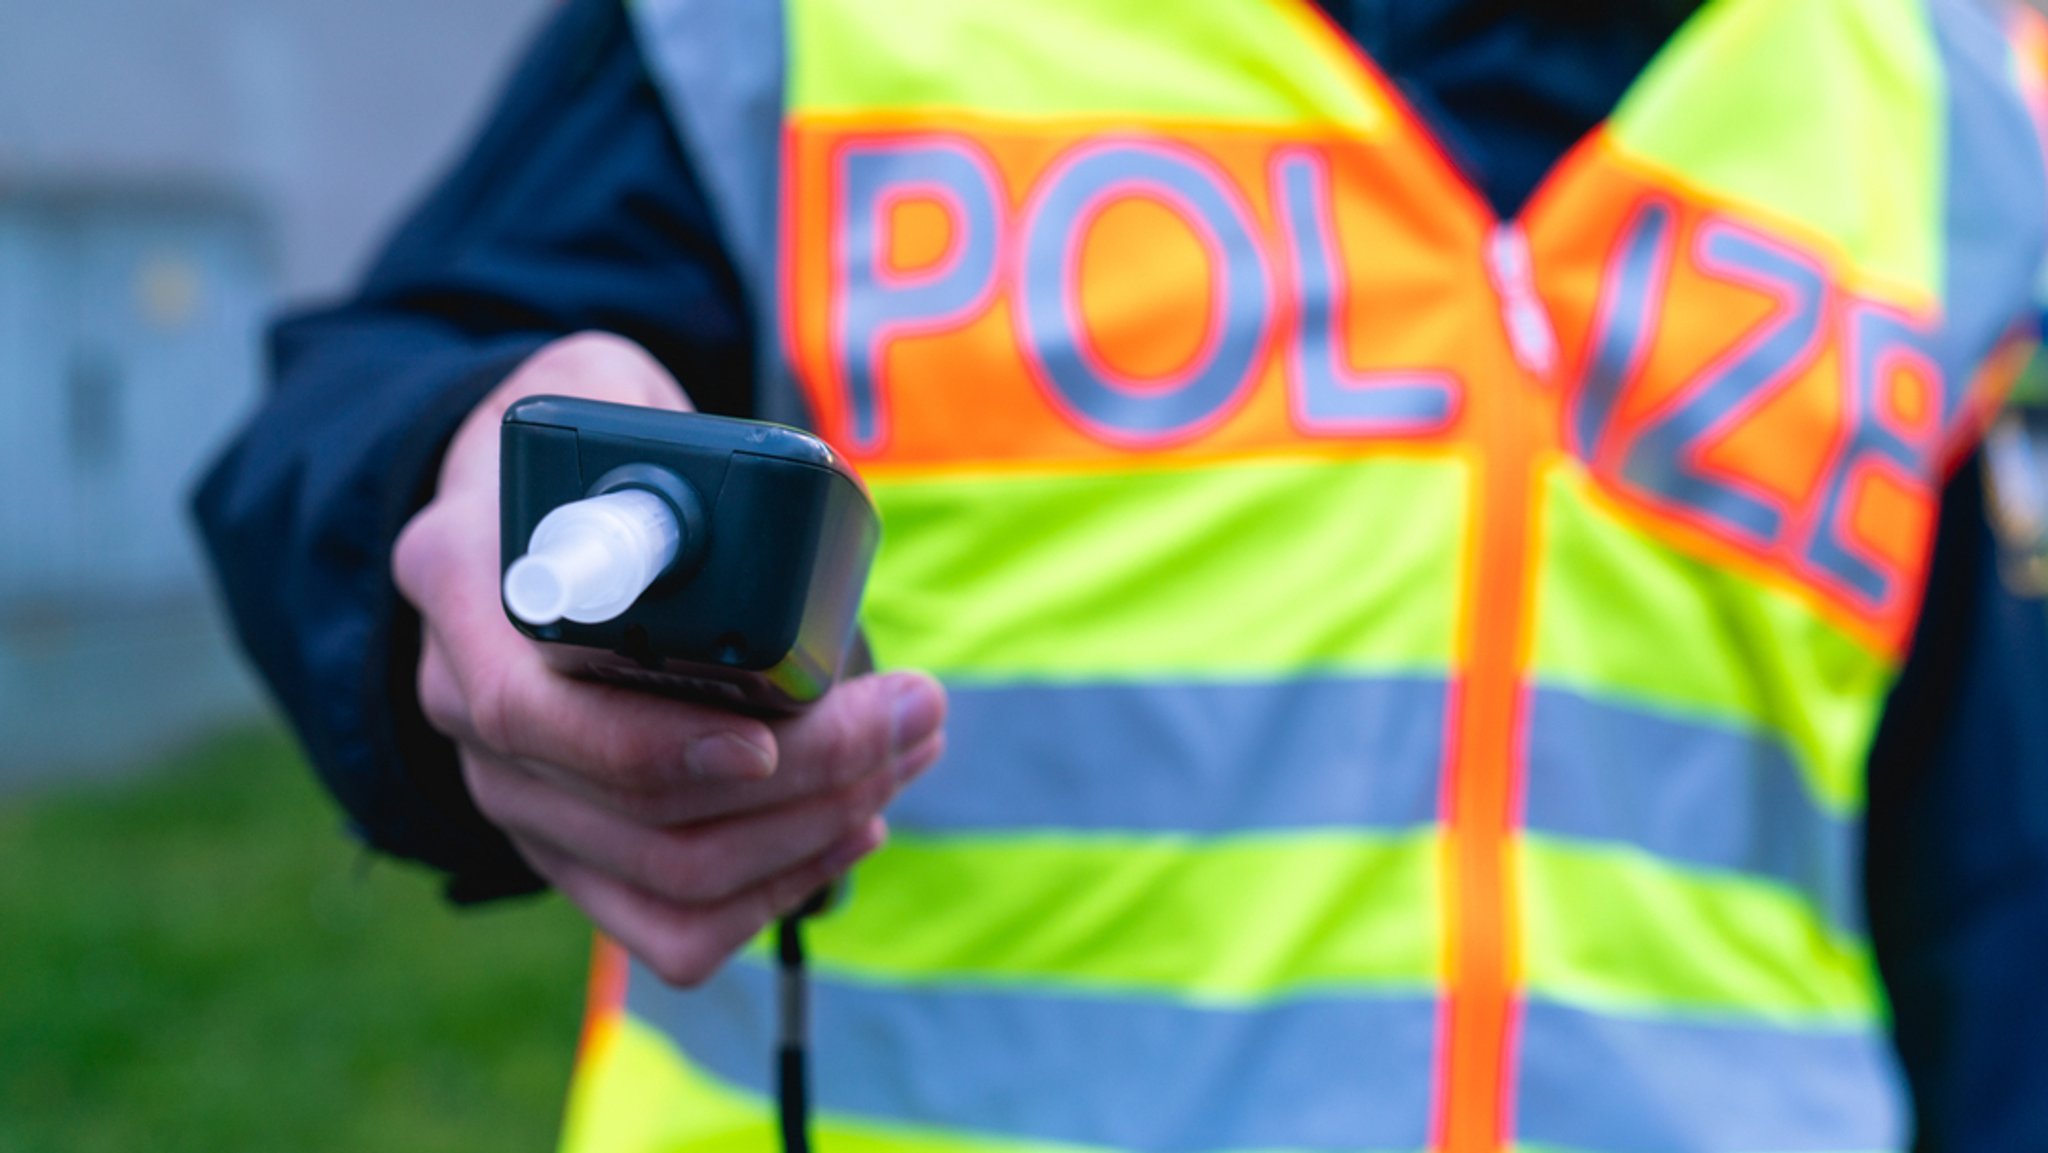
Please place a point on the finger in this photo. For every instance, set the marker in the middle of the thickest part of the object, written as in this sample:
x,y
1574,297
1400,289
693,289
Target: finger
x,y
693,864
884,724
660,761
619,746
656,759
683,944
866,724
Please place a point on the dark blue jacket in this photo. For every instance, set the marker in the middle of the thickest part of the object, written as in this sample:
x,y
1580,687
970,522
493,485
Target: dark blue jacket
x,y
575,209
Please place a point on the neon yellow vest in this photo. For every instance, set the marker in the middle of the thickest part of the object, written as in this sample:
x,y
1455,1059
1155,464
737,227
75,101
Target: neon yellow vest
x,y
1412,672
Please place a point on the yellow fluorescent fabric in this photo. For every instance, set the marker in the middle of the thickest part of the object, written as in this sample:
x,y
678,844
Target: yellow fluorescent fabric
x,y
633,1091
1618,929
1864,167
1253,568
1234,920
1214,61
1700,640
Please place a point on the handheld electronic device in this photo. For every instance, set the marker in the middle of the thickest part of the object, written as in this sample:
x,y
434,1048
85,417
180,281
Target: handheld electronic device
x,y
697,555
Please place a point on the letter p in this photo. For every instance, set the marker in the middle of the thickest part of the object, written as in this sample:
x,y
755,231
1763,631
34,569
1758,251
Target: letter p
x,y
881,301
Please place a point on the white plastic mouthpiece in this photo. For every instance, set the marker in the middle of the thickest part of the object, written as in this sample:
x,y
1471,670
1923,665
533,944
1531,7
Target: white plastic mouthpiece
x,y
590,560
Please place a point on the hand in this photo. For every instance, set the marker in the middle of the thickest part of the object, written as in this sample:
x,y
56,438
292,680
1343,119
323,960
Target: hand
x,y
680,829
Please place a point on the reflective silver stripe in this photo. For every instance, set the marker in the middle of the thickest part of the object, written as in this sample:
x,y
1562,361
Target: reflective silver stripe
x,y
1324,1073
1995,192
1596,1083
1690,792
1191,758
720,67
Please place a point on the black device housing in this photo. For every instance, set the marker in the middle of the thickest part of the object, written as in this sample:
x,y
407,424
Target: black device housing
x,y
760,609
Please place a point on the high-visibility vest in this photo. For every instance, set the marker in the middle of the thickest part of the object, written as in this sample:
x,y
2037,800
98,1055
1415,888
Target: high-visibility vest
x,y
1412,672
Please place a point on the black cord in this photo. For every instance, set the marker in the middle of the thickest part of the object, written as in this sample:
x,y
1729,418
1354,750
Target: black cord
x,y
793,992
792,1078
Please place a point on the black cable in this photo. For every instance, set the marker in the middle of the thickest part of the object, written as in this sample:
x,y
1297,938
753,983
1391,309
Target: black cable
x,y
792,1076
793,991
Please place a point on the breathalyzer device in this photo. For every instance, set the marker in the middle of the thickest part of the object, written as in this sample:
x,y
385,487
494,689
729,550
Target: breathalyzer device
x,y
697,555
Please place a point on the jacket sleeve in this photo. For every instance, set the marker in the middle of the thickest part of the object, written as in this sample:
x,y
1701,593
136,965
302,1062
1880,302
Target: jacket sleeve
x,y
573,210
1957,861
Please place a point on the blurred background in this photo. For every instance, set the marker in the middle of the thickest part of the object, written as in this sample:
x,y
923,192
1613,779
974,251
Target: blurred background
x,y
192,956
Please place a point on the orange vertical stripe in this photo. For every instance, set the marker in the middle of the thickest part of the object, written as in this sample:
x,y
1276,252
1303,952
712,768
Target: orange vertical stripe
x,y
606,997
1475,1087
1475,1082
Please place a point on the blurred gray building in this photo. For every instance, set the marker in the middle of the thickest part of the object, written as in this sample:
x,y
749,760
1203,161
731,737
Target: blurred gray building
x,y
170,172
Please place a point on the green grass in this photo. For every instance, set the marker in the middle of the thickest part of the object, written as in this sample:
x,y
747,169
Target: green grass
x,y
199,959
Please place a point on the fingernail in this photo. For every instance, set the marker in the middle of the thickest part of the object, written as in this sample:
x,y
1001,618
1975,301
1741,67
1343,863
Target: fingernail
x,y
918,707
912,764
728,756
